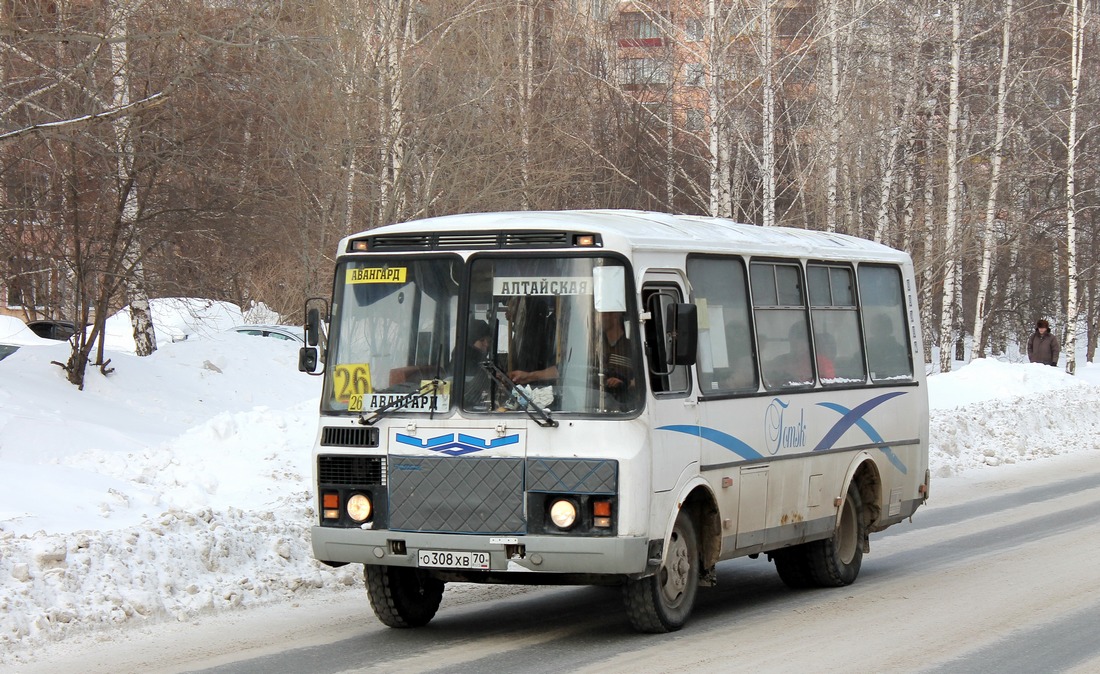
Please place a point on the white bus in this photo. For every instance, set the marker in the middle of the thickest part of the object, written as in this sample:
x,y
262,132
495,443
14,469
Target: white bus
x,y
611,397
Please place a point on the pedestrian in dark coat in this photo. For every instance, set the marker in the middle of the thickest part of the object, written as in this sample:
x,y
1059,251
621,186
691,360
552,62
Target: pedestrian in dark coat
x,y
1042,346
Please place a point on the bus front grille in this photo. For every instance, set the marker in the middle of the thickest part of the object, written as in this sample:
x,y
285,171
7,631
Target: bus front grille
x,y
353,471
459,495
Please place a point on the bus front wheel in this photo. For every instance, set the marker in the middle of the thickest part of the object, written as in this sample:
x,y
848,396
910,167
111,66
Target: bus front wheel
x,y
662,602
402,597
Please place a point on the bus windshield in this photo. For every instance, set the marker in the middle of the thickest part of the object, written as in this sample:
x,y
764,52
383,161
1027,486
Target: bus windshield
x,y
393,331
559,327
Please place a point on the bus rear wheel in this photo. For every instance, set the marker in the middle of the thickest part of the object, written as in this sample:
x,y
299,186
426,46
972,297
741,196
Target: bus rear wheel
x,y
402,597
837,560
833,562
795,567
662,602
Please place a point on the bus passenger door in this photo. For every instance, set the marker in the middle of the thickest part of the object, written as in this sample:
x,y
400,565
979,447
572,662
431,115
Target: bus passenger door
x,y
673,408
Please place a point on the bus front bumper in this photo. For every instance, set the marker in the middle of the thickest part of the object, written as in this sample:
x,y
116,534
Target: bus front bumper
x,y
515,553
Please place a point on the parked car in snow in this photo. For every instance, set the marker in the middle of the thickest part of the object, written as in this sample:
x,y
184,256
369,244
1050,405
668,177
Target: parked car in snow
x,y
284,332
53,329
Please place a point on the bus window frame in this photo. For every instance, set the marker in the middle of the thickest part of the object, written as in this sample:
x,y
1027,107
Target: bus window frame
x,y
800,265
751,317
857,307
650,290
631,314
906,337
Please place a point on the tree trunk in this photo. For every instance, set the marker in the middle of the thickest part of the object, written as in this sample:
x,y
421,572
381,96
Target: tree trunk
x,y
1080,8
137,295
994,184
833,147
927,270
525,57
947,315
767,154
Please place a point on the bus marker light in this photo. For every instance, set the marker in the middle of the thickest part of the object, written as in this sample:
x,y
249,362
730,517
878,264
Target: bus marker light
x,y
601,508
330,503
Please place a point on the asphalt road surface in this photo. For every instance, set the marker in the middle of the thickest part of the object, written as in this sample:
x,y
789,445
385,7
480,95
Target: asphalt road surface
x,y
998,573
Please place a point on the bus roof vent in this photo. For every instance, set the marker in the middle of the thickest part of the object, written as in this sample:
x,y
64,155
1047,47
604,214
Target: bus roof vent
x,y
401,242
536,240
470,240
464,240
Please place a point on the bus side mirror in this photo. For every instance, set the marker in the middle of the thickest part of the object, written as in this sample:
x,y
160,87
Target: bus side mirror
x,y
682,333
309,359
311,356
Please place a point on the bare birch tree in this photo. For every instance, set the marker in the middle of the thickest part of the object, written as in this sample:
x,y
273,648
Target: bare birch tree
x,y
1079,15
119,13
951,222
767,94
996,154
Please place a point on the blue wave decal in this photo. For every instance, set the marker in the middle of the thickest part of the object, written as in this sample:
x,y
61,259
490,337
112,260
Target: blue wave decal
x,y
719,438
854,417
449,445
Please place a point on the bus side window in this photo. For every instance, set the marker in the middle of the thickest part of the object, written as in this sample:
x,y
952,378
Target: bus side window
x,y
782,327
835,318
727,359
884,326
663,377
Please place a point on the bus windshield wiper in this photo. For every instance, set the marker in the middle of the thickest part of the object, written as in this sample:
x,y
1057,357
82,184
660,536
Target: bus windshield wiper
x,y
538,415
432,386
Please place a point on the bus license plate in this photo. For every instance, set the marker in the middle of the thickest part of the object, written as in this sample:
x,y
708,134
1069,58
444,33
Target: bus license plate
x,y
443,559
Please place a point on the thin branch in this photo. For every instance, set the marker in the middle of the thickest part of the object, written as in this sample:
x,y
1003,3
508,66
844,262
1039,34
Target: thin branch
x,y
147,102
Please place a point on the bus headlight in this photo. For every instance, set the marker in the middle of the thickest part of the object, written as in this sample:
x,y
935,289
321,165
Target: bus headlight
x,y
359,507
563,513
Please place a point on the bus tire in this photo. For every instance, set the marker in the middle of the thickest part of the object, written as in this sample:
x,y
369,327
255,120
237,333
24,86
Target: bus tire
x,y
836,560
401,596
795,566
662,602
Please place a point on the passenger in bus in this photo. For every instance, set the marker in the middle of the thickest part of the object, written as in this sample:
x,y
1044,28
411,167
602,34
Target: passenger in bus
x,y
531,336
887,355
792,368
616,355
476,384
614,360
825,348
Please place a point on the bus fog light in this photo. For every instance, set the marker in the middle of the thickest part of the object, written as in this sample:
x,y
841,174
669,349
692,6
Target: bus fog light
x,y
563,513
601,514
359,507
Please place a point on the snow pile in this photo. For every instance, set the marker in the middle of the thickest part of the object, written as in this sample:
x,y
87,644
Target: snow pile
x,y
15,331
990,413
180,484
174,320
